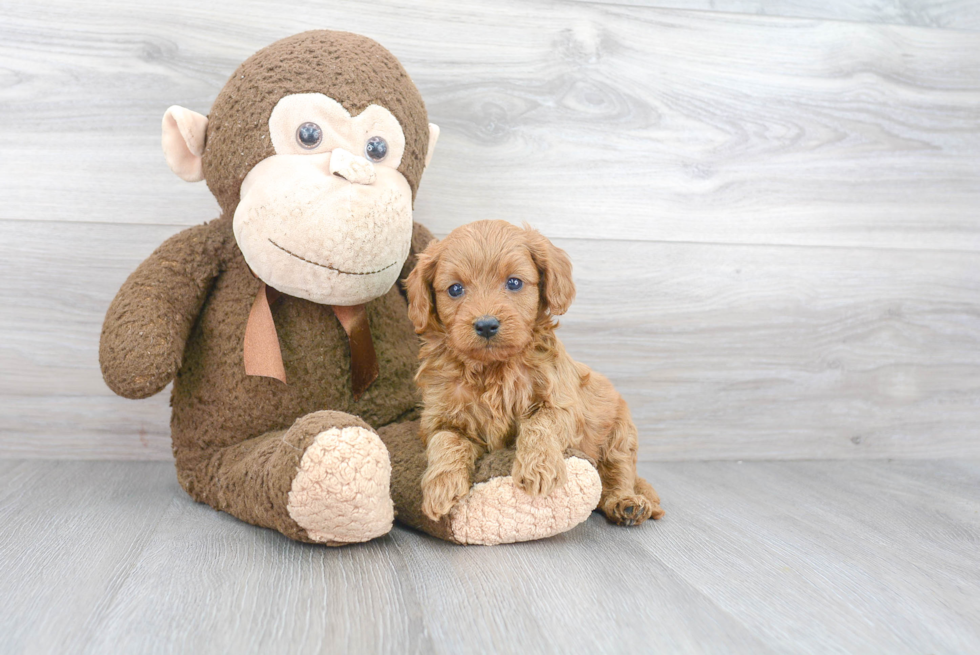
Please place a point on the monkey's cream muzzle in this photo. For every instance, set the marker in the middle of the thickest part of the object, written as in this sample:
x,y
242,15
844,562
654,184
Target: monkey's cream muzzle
x,y
356,170
318,220
337,239
315,220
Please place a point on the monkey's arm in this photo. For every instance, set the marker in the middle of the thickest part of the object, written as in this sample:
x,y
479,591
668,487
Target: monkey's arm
x,y
149,320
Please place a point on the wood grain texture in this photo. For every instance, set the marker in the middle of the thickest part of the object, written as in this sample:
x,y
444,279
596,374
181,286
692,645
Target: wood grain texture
x,y
71,535
836,556
774,220
594,121
944,14
751,558
723,352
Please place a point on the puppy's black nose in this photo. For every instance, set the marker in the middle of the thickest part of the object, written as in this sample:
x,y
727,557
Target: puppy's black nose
x,y
486,326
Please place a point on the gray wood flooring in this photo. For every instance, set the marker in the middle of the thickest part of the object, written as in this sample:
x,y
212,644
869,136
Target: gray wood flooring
x,y
753,557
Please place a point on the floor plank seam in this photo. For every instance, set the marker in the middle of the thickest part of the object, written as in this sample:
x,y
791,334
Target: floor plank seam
x,y
109,601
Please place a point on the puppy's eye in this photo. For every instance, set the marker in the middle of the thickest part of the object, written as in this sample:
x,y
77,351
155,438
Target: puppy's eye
x,y
455,290
515,284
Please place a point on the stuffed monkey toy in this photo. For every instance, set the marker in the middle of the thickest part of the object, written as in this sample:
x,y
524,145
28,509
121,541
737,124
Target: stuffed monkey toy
x,y
283,324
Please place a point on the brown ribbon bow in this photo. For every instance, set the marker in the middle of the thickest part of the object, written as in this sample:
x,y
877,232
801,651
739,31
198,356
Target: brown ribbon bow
x,y
264,357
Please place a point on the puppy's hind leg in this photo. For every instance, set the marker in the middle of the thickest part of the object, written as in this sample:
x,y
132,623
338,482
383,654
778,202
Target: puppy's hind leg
x,y
647,491
627,499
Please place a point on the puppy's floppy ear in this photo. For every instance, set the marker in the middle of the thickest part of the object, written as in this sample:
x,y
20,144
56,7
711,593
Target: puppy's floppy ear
x,y
418,285
557,288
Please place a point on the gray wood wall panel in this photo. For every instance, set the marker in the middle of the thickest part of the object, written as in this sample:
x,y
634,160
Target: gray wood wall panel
x,y
723,351
945,14
594,121
775,221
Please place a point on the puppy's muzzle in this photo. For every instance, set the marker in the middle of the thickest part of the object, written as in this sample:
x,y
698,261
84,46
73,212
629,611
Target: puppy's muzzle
x,y
486,326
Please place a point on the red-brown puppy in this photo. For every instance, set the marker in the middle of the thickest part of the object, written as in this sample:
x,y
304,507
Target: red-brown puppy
x,y
493,372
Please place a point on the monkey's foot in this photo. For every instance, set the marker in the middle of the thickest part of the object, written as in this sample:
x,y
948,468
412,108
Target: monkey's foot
x,y
340,492
498,511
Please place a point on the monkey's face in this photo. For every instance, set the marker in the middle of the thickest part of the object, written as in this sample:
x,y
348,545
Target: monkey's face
x,y
329,216
315,146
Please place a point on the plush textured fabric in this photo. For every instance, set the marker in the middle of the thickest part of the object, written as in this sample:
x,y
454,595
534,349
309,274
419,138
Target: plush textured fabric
x,y
226,425
340,493
341,131
408,463
357,228
350,68
239,440
183,142
495,511
498,511
302,458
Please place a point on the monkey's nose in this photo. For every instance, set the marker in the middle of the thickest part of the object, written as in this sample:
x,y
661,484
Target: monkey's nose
x,y
486,326
350,167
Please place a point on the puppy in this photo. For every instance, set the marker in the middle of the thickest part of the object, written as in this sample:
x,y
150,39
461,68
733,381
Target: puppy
x,y
493,373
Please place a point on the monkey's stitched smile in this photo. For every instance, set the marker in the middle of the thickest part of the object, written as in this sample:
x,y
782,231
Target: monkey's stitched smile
x,y
337,270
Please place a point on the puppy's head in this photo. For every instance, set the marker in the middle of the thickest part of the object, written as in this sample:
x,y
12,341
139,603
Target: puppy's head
x,y
487,286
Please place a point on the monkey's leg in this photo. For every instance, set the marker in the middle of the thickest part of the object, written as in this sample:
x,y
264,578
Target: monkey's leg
x,y
495,510
324,480
627,499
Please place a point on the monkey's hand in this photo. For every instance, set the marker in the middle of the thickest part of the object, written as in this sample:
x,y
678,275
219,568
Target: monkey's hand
x,y
149,320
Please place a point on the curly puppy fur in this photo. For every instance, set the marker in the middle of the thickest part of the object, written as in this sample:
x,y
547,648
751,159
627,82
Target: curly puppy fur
x,y
484,392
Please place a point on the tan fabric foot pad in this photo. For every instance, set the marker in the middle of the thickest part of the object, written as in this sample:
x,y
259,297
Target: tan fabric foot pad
x,y
499,512
341,492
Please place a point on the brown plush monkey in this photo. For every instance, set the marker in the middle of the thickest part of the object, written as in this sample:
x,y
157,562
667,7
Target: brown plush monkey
x,y
281,323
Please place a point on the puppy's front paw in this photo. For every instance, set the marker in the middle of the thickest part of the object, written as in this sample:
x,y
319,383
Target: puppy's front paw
x,y
539,473
441,491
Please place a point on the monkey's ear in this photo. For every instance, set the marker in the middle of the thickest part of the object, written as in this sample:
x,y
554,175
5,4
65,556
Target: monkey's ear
x,y
557,287
184,132
418,285
433,137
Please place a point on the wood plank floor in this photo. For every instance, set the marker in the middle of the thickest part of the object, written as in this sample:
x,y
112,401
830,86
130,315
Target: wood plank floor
x,y
761,557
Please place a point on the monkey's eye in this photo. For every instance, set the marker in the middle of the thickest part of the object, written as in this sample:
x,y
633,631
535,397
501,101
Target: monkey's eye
x,y
455,290
376,148
515,284
309,135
